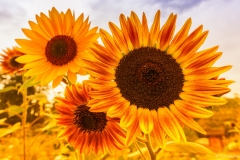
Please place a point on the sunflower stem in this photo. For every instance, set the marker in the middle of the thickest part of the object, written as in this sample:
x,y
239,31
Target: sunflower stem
x,y
24,118
136,144
150,148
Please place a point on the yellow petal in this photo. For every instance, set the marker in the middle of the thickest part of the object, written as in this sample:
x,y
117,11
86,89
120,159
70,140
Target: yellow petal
x,y
57,81
35,36
72,77
34,64
73,67
56,21
158,133
145,120
49,75
29,58
38,70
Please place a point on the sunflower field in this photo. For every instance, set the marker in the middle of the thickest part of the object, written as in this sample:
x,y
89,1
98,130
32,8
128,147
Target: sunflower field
x,y
136,90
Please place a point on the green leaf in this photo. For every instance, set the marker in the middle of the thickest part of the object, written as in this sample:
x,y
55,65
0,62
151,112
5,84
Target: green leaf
x,y
49,124
2,120
6,131
2,111
39,96
13,110
27,84
187,147
6,89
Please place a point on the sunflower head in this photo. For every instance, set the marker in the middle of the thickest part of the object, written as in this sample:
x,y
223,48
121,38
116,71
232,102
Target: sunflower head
x,y
8,63
155,80
87,131
55,46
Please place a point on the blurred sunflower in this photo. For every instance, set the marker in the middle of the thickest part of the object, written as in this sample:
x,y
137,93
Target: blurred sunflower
x,y
85,130
55,46
154,81
8,63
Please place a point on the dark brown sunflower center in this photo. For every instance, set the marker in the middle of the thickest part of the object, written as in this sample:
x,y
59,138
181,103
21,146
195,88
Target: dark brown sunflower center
x,y
60,50
89,121
14,63
149,78
150,73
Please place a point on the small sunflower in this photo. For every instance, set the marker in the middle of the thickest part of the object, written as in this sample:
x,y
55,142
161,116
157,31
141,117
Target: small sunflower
x,y
56,46
86,130
8,63
153,80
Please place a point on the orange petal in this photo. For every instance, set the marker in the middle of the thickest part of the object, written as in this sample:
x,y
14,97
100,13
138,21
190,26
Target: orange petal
x,y
167,32
129,116
204,73
132,132
170,125
155,28
179,37
188,121
192,110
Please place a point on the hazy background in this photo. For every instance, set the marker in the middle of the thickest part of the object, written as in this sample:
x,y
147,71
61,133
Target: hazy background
x,y
220,17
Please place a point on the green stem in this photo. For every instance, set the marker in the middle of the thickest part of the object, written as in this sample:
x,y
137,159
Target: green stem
x,y
136,144
150,148
24,119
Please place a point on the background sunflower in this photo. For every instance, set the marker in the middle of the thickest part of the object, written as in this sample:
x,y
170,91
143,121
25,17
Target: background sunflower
x,y
56,46
8,63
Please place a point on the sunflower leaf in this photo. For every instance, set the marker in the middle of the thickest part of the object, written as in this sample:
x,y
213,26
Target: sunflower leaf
x,y
49,124
187,147
27,84
6,89
13,110
2,120
40,97
6,131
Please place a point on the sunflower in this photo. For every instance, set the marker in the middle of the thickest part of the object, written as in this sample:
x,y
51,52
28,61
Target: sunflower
x,y
85,130
8,63
56,46
153,80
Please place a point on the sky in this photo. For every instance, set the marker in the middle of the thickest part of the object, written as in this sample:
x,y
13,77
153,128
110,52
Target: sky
x,y
220,17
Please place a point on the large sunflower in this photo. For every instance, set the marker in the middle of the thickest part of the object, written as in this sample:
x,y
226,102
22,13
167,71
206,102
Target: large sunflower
x,y
85,130
8,63
153,80
55,46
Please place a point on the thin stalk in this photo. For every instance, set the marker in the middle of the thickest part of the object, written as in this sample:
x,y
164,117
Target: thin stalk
x,y
24,119
150,148
136,144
